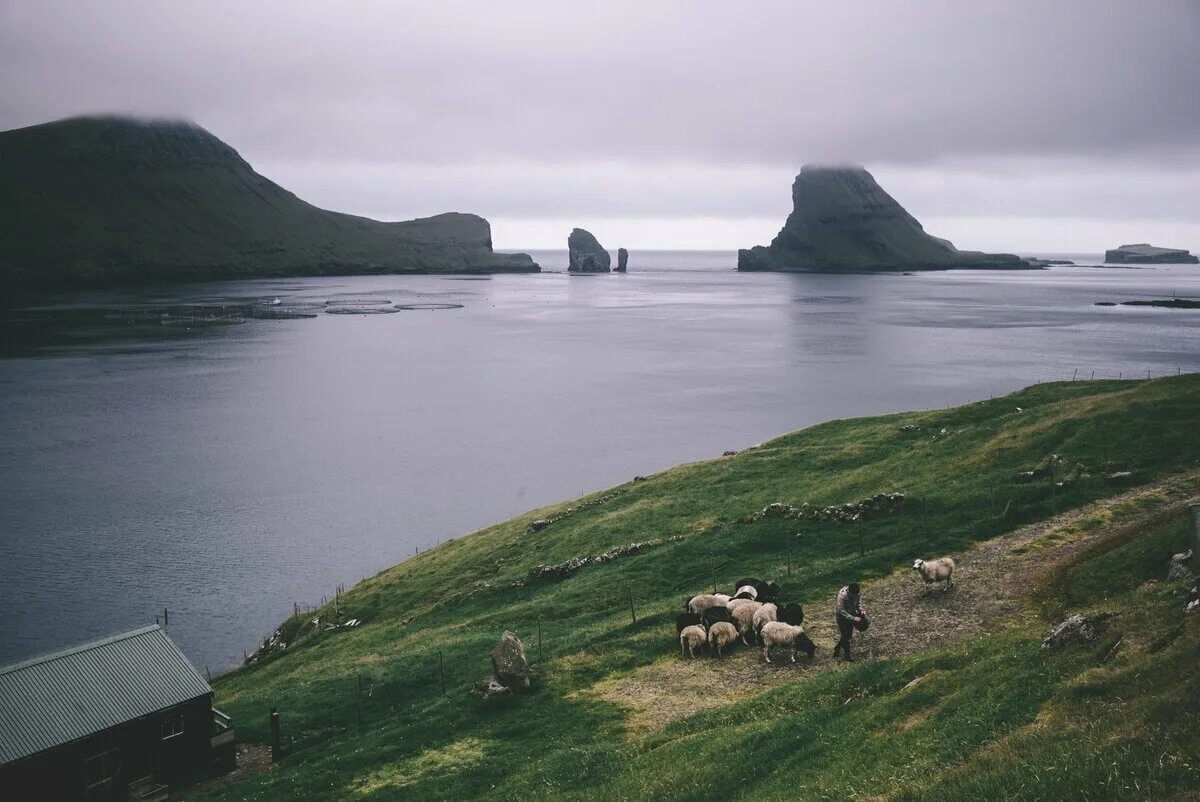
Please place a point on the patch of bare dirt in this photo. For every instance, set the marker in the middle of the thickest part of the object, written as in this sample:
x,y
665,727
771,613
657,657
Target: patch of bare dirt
x,y
994,582
251,759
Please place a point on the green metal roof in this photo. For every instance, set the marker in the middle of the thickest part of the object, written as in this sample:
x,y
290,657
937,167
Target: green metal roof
x,y
59,697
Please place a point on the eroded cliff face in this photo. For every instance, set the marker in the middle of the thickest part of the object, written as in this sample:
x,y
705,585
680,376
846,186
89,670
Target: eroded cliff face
x,y
1143,253
843,220
95,201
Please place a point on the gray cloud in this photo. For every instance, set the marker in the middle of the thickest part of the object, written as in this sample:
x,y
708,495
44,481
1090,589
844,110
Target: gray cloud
x,y
688,109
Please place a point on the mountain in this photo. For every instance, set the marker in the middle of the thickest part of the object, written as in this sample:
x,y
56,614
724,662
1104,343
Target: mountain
x,y
1144,253
842,220
92,201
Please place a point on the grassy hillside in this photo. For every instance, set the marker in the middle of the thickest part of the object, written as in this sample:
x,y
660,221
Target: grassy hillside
x,y
91,201
616,714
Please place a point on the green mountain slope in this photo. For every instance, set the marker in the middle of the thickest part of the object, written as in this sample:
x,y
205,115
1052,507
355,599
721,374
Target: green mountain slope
x,y
615,713
91,201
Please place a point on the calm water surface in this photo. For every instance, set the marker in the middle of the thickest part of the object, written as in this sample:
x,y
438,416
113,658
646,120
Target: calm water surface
x,y
226,472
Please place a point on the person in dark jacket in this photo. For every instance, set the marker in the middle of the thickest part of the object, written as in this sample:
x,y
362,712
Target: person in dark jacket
x,y
850,615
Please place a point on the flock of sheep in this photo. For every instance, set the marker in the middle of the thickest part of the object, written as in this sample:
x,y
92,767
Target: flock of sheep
x,y
755,614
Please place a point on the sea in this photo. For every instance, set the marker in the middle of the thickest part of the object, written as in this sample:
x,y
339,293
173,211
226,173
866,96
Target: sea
x,y
216,454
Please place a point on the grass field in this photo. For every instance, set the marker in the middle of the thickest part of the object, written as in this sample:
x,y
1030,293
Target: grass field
x,y
616,714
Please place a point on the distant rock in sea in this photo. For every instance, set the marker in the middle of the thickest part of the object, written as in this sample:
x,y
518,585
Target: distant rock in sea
x,y
103,201
842,220
1142,253
622,260
586,254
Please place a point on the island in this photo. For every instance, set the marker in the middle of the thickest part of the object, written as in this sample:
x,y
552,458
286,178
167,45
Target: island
x,y
1142,253
102,201
842,220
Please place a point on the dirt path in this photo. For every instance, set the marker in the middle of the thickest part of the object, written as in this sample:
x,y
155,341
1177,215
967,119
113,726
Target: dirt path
x,y
995,581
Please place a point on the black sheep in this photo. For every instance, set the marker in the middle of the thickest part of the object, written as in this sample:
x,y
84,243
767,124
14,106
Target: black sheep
x,y
769,593
791,613
714,614
686,620
805,644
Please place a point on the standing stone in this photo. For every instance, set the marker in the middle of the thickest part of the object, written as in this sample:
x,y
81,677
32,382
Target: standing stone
x,y
622,259
587,255
509,665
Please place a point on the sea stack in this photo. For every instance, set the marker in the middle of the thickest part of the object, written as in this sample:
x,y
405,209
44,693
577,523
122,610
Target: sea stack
x,y
1141,253
622,260
586,254
842,220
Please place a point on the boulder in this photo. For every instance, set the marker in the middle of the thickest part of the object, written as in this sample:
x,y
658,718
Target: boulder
x,y
842,220
1178,568
1142,253
622,259
586,254
509,665
1076,629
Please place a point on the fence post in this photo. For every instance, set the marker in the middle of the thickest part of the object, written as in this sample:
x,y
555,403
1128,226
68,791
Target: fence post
x,y
1196,536
442,671
539,641
358,700
714,574
632,612
276,752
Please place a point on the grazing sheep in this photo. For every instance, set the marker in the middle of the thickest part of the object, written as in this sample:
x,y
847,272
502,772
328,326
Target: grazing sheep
x,y
685,620
746,592
743,617
777,633
791,613
690,638
764,615
698,604
935,571
769,592
750,581
736,603
714,614
720,635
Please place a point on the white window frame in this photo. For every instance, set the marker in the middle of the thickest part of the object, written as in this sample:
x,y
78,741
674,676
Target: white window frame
x,y
171,727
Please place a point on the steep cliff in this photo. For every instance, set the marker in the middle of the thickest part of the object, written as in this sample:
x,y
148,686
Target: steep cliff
x,y
586,254
93,201
843,220
1144,253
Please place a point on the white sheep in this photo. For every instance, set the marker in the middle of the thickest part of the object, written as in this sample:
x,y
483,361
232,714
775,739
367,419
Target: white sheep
x,y
698,604
777,633
690,638
935,571
746,592
733,604
764,615
743,617
720,635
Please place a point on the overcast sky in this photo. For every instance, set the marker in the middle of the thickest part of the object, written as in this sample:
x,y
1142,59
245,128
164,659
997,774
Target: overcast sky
x,y
1026,126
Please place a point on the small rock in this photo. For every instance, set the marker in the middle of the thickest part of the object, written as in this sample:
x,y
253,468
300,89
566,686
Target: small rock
x,y
1076,629
538,525
908,427
488,687
509,665
1024,477
1118,477
639,478
913,684
729,454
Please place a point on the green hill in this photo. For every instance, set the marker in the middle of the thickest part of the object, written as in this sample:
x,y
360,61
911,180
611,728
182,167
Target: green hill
x,y
93,201
954,699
